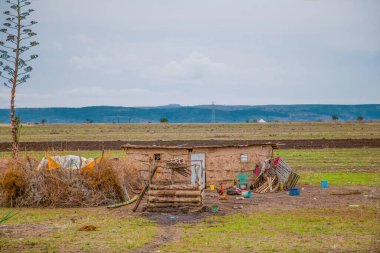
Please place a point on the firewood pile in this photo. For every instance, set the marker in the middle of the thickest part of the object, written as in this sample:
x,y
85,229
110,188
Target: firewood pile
x,y
275,174
173,198
270,184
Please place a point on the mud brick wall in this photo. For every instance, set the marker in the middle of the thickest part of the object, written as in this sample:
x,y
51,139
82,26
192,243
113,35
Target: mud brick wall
x,y
222,163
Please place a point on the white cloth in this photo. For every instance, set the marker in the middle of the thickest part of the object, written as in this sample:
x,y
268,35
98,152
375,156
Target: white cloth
x,y
67,161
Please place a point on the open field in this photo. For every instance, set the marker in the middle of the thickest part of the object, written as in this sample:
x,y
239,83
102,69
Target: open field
x,y
57,230
317,230
342,218
316,221
353,166
116,145
152,132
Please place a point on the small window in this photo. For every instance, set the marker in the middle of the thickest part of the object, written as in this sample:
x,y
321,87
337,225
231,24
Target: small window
x,y
157,157
244,158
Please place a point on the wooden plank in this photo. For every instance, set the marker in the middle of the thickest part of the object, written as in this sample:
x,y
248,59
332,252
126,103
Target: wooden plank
x,y
150,204
175,187
174,193
172,209
174,200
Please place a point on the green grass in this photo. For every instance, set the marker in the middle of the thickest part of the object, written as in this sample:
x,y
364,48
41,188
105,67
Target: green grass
x,y
329,160
301,230
341,178
350,166
36,230
282,231
243,131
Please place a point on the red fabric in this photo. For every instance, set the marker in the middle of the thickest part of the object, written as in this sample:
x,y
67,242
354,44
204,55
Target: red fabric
x,y
276,161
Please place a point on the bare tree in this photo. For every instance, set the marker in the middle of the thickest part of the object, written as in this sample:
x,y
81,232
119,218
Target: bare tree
x,y
13,59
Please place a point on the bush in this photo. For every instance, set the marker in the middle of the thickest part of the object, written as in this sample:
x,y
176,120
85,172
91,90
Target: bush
x,y
164,120
98,186
360,118
13,182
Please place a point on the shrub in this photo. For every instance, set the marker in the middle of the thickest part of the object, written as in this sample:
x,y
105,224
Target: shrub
x,y
98,186
334,117
13,182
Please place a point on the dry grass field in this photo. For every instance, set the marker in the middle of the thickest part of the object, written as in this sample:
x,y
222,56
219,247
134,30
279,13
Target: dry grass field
x,y
344,218
151,132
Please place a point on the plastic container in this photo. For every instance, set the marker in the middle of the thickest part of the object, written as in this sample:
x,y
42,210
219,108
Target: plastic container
x,y
294,192
212,187
324,184
243,187
246,194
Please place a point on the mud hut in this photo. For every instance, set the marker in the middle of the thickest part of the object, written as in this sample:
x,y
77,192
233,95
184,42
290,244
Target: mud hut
x,y
209,162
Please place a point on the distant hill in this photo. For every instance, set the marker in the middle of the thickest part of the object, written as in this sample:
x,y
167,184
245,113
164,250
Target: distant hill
x,y
194,114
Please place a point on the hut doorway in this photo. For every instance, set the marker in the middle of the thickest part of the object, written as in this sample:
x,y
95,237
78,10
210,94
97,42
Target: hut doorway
x,y
198,168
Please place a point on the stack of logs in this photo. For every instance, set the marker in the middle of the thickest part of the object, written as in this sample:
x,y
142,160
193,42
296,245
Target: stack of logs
x,y
172,198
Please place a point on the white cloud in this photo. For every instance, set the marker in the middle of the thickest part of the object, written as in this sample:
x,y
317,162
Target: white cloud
x,y
194,67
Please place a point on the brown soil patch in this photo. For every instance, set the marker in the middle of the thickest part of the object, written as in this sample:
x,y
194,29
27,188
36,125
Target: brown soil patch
x,y
312,197
17,231
115,145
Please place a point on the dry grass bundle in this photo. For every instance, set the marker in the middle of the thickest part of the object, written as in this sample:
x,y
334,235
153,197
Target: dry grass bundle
x,y
98,186
128,177
13,182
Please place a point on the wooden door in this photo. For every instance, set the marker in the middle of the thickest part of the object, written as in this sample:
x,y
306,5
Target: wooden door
x,y
198,168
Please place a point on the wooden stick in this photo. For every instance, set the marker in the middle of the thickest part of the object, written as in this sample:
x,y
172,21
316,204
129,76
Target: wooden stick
x,y
123,203
145,189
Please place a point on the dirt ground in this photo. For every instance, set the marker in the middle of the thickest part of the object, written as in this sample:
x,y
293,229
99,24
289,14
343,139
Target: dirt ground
x,y
310,197
115,145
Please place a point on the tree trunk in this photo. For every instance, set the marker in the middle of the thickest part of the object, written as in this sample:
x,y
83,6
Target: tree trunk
x,y
14,125
14,85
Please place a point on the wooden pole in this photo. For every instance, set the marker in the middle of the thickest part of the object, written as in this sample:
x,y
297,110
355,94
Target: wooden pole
x,y
142,193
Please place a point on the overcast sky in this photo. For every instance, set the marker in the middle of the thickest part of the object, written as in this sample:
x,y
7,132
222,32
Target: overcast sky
x,y
143,53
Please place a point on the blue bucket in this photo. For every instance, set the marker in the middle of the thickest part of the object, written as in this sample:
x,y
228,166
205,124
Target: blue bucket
x,y
294,192
324,184
246,194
